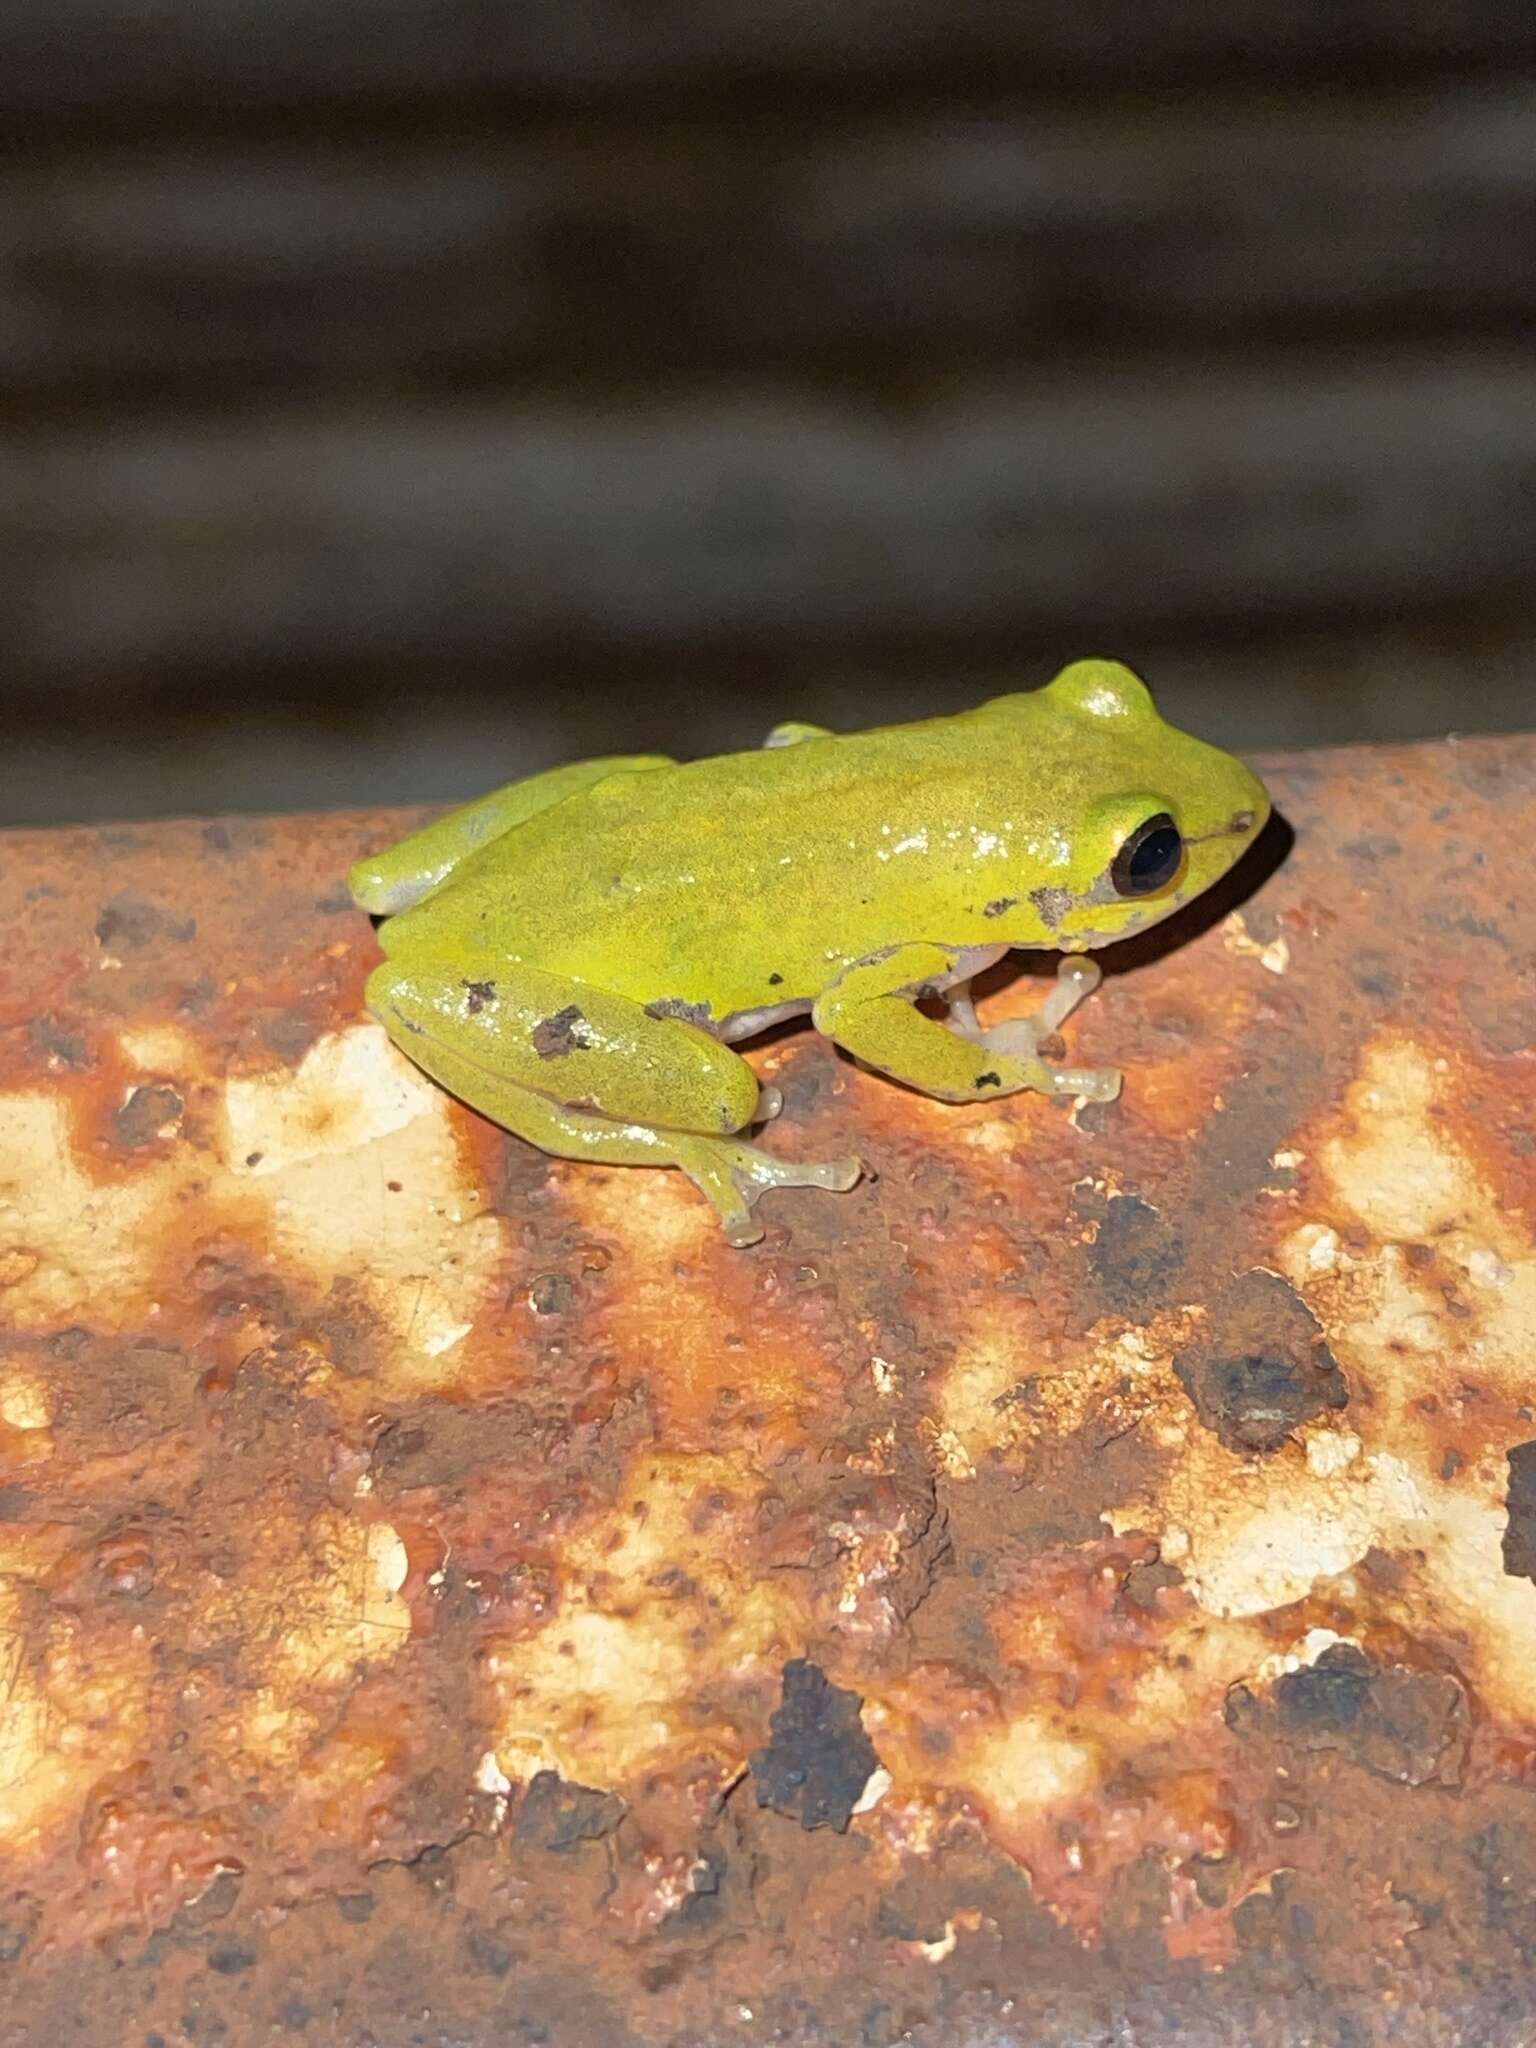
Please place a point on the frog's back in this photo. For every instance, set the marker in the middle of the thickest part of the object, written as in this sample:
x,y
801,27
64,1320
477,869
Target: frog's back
x,y
644,880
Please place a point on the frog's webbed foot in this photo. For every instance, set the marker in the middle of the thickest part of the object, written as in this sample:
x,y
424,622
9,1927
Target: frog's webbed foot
x,y
1020,1037
733,1175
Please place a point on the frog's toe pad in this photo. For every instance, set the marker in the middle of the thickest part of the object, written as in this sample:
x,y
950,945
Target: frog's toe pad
x,y
754,1172
1092,1084
734,1175
770,1103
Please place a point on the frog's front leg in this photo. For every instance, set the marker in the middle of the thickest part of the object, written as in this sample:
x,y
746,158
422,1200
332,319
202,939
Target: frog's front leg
x,y
1076,978
870,1012
585,1073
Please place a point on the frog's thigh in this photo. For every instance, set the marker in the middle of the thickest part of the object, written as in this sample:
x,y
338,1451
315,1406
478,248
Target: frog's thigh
x,y
869,1012
506,1028
403,874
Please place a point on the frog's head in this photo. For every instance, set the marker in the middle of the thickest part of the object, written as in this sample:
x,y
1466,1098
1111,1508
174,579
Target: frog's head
x,y
1154,815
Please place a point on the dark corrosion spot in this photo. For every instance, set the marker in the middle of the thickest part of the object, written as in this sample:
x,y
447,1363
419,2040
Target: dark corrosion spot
x,y
146,1114
1520,1501
48,1039
1143,1583
557,1815
684,1011
774,980
1376,846
1393,1719
486,1953
989,1080
819,1760
551,1294
999,904
1375,977
216,1903
1052,901
1136,1258
478,996
566,1031
1329,1695
235,835
1260,1367
229,1958
131,920
705,1901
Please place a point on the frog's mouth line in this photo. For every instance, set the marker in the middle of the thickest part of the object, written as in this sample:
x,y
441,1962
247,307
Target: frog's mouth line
x,y
1237,827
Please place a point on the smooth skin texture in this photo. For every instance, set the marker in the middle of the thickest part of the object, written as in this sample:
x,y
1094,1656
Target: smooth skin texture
x,y
575,955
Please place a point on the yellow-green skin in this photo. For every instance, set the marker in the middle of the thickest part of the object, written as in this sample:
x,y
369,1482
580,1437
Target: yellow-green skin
x,y
574,954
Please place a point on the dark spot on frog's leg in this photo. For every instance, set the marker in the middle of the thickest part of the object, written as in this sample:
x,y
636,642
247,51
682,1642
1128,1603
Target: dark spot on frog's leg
x,y
562,1033
1001,903
478,995
1052,901
989,1080
684,1011
566,1031
774,980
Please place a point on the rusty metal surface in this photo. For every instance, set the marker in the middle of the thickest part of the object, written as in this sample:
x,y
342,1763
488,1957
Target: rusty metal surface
x,y
1076,1588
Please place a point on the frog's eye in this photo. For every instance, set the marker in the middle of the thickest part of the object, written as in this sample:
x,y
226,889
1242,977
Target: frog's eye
x,y
1149,859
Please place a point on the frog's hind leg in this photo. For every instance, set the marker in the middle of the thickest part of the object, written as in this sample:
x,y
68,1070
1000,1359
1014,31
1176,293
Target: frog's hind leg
x,y
586,1073
402,875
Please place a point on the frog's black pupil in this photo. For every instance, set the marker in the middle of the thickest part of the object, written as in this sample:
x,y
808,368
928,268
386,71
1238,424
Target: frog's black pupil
x,y
1149,859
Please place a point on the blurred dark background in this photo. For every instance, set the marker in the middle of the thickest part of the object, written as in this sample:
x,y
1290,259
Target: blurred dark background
x,y
397,395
